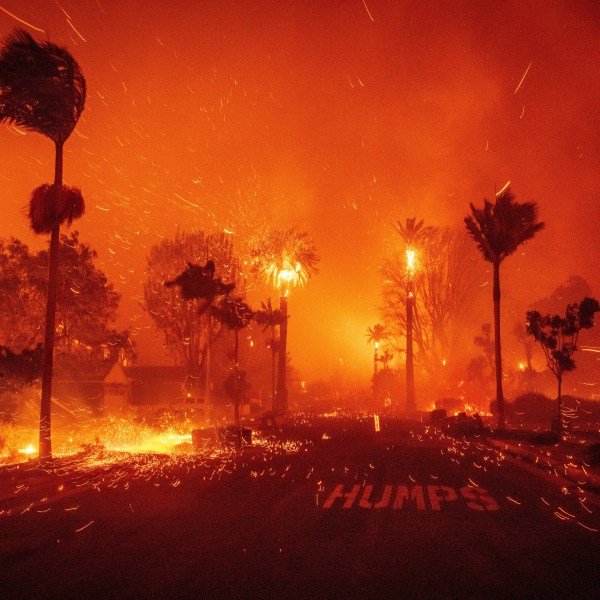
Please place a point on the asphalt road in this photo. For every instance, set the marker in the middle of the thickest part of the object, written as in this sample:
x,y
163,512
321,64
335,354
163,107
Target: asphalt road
x,y
341,511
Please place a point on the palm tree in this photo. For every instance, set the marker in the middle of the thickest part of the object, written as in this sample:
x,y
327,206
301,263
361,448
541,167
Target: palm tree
x,y
284,259
199,282
235,314
42,89
375,335
270,317
498,230
413,234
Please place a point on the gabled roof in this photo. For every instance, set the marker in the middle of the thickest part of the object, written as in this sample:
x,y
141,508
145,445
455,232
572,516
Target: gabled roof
x,y
146,375
116,375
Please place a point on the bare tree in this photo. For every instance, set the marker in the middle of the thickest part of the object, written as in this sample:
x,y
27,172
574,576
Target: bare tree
x,y
184,323
445,282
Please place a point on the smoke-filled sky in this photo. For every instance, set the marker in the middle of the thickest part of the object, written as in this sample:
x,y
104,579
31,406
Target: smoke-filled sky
x,y
337,117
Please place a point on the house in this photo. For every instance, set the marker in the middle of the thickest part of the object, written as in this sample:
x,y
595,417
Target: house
x,y
144,387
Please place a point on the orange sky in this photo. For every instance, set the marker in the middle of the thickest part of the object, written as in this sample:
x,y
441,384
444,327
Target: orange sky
x,y
338,117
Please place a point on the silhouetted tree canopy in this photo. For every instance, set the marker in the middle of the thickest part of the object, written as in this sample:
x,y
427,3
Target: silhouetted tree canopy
x,y
558,338
183,322
558,335
86,306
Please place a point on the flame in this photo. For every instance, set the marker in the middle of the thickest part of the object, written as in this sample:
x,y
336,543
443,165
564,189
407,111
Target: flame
x,y
410,259
28,451
289,276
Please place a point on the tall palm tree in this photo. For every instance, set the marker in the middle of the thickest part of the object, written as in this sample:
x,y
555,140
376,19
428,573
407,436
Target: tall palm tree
x,y
498,230
413,235
270,318
42,89
284,258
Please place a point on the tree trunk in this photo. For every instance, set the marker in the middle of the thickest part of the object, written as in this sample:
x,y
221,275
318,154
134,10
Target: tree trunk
x,y
236,392
281,398
273,372
45,442
410,366
498,347
375,379
207,401
375,365
559,422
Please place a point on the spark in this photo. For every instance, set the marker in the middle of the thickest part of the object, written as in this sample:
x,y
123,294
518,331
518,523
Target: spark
x,y
21,20
586,527
75,30
84,527
27,509
368,11
62,9
513,500
503,188
523,78
16,130
562,510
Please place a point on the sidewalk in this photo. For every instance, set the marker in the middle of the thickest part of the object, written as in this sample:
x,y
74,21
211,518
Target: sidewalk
x,y
564,459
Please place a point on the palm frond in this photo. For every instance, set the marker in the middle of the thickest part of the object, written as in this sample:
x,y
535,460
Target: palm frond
x,y
377,333
42,88
52,205
288,252
413,233
499,229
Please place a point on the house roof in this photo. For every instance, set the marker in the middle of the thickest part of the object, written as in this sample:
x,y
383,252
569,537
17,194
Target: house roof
x,y
156,373
145,374
116,375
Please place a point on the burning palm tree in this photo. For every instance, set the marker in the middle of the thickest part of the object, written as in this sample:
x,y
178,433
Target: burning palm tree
x,y
42,89
412,234
376,335
284,259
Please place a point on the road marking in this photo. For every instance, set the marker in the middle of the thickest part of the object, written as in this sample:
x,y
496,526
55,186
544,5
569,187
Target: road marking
x,y
419,497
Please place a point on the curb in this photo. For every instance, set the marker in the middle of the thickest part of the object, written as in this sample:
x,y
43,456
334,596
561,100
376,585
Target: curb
x,y
573,473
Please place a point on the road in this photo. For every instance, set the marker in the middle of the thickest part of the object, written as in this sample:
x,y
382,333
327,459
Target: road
x,y
340,511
